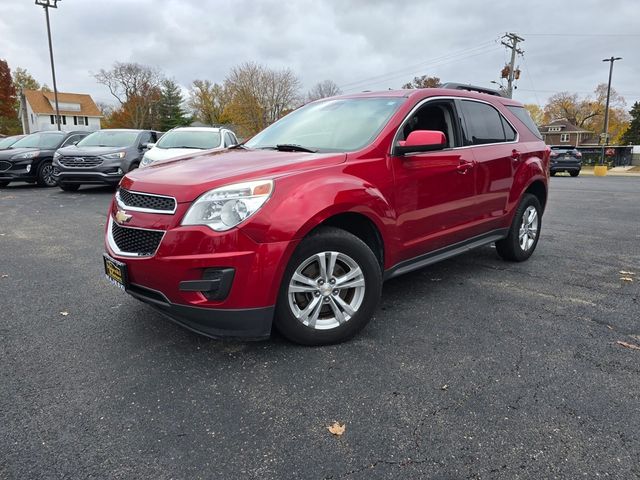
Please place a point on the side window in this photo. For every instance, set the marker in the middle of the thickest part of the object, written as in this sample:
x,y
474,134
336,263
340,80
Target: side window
x,y
434,115
145,137
483,123
71,140
228,139
509,132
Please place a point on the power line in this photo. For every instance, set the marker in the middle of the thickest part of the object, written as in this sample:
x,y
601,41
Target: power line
x,y
441,60
582,34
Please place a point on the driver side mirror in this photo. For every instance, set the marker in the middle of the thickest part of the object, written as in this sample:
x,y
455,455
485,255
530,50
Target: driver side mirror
x,y
147,146
422,141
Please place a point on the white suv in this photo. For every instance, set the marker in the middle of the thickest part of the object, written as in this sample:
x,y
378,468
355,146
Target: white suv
x,y
188,140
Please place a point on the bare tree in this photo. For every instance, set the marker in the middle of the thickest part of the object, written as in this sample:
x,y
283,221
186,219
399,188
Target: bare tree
x,y
259,96
423,82
136,88
324,89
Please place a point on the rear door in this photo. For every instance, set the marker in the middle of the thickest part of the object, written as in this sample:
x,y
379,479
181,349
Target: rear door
x,y
493,141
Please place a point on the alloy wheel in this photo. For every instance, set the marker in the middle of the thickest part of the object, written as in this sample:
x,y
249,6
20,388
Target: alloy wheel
x,y
528,228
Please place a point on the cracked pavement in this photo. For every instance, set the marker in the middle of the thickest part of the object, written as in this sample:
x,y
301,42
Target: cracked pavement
x,y
472,369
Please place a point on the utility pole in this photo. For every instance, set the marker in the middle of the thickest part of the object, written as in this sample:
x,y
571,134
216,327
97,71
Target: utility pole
x,y
511,40
46,4
605,130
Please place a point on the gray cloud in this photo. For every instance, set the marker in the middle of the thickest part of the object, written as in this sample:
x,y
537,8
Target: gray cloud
x,y
360,44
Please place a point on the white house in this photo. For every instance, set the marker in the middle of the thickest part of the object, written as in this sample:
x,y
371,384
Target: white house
x,y
77,111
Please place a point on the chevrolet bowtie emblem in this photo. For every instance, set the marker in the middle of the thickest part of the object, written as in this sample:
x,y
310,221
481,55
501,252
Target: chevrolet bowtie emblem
x,y
122,216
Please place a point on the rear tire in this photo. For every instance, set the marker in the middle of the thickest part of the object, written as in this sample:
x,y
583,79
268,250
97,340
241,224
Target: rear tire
x,y
524,231
45,176
69,187
574,174
330,289
553,174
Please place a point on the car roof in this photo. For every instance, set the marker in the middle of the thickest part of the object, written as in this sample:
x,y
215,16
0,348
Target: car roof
x,y
197,129
432,92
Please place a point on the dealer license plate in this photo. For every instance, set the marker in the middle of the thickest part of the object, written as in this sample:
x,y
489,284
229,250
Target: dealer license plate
x,y
115,271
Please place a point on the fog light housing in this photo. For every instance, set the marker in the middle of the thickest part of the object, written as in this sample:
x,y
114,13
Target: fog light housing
x,y
120,172
28,168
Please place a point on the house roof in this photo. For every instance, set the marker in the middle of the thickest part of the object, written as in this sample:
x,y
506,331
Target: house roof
x,y
39,102
565,127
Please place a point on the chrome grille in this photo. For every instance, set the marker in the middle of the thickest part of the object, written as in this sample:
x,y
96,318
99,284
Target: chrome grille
x,y
135,241
4,166
144,201
80,162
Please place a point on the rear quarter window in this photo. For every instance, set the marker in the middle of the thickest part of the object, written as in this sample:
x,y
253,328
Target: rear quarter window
x,y
525,118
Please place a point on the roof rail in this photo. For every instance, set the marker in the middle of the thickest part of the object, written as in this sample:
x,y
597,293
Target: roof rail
x,y
472,88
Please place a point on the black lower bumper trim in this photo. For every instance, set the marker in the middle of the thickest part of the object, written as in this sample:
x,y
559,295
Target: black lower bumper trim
x,y
247,324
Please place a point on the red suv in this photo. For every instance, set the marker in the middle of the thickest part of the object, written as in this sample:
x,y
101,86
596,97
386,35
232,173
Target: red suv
x,y
300,226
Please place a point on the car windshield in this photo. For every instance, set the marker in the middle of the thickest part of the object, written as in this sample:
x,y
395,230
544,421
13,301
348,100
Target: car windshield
x,y
7,142
40,140
199,139
109,138
338,125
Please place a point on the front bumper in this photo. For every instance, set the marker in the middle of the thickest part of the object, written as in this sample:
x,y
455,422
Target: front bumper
x,y
16,171
245,303
68,177
249,323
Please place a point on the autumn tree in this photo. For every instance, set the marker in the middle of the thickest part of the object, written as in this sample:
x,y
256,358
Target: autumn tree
x,y
324,89
537,113
259,96
423,81
170,107
137,89
9,123
208,102
23,80
631,136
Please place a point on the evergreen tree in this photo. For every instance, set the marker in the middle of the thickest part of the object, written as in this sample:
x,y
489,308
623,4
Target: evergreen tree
x,y
9,122
170,109
632,134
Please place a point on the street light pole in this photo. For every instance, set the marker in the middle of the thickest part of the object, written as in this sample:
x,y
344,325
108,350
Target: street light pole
x,y
53,4
605,131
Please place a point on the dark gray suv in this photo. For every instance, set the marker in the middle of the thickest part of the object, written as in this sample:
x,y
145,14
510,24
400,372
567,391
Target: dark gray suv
x,y
101,158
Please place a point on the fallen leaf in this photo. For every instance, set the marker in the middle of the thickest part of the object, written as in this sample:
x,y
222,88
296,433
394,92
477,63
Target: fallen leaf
x,y
624,272
628,345
626,279
444,387
64,314
337,429
4,275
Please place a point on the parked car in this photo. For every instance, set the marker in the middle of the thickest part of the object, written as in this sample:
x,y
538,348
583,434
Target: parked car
x,y
565,159
101,158
187,141
30,158
6,142
301,225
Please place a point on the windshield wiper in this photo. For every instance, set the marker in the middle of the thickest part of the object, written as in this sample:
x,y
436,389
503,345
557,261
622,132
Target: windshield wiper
x,y
292,147
184,146
237,145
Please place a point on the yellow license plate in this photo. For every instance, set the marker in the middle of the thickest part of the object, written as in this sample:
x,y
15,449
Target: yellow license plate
x,y
115,271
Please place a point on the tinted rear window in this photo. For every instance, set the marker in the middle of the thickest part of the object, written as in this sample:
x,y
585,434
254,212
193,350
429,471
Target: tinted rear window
x,y
525,118
484,123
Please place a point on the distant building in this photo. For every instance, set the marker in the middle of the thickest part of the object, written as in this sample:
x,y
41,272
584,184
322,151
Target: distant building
x,y
77,111
563,132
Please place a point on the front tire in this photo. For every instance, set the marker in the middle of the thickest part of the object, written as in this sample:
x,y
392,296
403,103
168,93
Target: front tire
x,y
524,231
69,187
330,289
4,183
45,175
574,173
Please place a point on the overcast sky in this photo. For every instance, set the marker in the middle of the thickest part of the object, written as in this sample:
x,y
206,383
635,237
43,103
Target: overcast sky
x,y
359,44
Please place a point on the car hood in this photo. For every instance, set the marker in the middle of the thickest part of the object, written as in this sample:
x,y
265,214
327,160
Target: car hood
x,y
7,154
187,178
75,151
156,154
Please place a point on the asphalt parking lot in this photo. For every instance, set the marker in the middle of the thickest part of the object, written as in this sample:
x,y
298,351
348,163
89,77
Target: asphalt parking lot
x,y
472,368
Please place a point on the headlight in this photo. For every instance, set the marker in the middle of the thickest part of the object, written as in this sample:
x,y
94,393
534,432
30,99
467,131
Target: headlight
x,y
56,155
25,155
225,207
115,155
145,161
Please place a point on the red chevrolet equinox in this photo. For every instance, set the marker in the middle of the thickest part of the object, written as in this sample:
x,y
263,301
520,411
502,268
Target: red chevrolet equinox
x,y
300,226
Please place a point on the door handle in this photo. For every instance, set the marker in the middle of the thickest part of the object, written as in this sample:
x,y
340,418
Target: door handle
x,y
515,155
464,167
